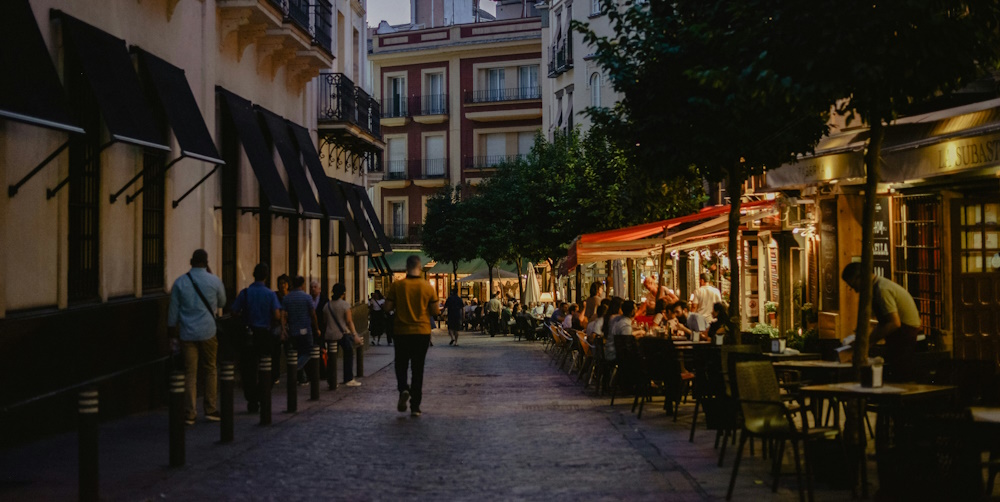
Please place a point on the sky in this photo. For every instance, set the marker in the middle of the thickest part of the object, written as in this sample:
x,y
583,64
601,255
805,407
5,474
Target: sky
x,y
398,11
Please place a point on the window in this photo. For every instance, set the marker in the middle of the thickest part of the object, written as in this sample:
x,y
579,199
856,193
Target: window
x,y
397,97
527,77
595,7
595,90
397,219
396,170
152,221
979,239
434,157
496,148
495,83
525,140
918,255
569,111
434,103
84,193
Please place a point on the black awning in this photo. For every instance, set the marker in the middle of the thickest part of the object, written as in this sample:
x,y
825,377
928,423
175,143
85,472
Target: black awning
x,y
248,129
361,219
373,218
333,202
278,129
350,225
108,69
30,90
180,107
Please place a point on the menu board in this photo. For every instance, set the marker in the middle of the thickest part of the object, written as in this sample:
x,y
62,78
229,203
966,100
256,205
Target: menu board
x,y
772,261
829,264
881,244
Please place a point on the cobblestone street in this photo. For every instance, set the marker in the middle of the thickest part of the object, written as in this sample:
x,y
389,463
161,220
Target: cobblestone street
x,y
499,423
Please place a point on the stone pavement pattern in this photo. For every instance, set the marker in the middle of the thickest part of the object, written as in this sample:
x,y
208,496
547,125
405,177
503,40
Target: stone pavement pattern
x,y
499,423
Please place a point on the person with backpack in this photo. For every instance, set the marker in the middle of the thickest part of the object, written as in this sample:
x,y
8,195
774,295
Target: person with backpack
x,y
259,308
300,324
195,298
340,328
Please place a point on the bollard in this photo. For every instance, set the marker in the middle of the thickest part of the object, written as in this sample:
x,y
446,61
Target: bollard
x,y
331,363
359,355
265,383
177,443
291,366
227,375
88,472
314,374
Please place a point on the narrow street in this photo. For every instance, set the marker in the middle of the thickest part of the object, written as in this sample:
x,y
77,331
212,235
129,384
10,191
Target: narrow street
x,y
499,423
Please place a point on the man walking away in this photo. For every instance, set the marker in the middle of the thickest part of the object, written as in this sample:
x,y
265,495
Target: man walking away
x,y
340,328
259,308
414,301
493,309
300,323
455,309
706,296
194,301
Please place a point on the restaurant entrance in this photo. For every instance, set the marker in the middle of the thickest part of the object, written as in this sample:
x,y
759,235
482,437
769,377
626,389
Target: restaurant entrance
x,y
976,240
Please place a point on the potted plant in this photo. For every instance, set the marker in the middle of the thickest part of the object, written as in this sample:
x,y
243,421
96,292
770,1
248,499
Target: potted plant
x,y
777,342
771,308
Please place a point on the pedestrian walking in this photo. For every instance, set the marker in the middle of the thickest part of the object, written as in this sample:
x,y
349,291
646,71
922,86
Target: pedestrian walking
x,y
300,324
454,307
259,309
376,317
414,301
282,286
340,328
194,301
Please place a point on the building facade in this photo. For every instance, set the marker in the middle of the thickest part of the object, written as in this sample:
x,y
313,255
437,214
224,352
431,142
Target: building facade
x,y
456,101
133,134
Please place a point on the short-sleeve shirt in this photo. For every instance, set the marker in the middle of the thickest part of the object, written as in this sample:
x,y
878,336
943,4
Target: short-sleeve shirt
x,y
335,313
707,296
187,311
298,304
454,307
257,304
412,297
890,297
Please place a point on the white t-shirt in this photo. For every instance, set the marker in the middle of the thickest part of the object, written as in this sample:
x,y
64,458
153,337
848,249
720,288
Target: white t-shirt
x,y
706,297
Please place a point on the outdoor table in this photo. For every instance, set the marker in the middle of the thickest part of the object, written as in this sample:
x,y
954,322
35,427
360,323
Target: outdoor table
x,y
798,356
985,415
889,394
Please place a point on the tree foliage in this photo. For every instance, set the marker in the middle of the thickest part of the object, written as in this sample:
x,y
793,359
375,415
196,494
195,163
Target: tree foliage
x,y
445,235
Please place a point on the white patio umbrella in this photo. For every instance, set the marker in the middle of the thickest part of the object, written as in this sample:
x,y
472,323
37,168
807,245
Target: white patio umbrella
x,y
619,277
532,293
484,275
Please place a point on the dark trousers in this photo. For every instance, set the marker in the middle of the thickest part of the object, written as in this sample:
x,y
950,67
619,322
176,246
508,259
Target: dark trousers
x,y
277,355
411,349
346,344
261,343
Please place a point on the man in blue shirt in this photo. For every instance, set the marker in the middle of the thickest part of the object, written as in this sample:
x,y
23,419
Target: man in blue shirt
x,y
300,323
195,298
259,308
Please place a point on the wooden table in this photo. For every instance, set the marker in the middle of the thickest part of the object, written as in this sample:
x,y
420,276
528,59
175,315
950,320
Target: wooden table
x,y
893,393
797,356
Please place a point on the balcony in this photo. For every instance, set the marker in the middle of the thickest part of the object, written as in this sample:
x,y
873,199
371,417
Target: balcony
x,y
499,95
403,233
348,111
490,161
420,172
323,24
561,57
430,109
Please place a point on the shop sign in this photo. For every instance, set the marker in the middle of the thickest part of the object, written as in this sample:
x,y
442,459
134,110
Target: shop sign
x,y
810,171
830,281
881,243
947,157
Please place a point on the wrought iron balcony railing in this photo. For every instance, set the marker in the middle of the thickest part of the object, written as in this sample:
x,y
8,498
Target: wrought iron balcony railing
x,y
496,95
340,100
561,57
424,169
323,24
396,106
433,104
401,233
490,161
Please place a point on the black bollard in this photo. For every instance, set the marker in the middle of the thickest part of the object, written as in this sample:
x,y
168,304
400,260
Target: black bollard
x,y
89,486
291,367
331,363
227,375
264,377
177,442
359,355
314,374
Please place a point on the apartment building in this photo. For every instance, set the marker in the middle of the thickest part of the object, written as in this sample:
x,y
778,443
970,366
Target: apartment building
x,y
133,133
457,99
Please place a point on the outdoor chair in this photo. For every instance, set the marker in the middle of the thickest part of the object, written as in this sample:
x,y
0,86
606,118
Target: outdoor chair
x,y
765,416
659,366
586,354
599,369
626,372
709,390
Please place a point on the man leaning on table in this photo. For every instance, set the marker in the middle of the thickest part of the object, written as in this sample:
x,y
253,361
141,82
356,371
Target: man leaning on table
x,y
898,321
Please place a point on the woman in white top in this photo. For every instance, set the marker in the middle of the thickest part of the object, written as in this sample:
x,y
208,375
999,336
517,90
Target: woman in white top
x,y
596,326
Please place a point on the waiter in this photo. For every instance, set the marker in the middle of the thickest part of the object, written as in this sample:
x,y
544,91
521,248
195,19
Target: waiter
x,y
898,321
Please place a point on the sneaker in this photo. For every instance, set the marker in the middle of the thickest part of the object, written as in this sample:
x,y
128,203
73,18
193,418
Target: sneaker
x,y
303,383
189,421
415,412
353,383
213,417
276,381
403,398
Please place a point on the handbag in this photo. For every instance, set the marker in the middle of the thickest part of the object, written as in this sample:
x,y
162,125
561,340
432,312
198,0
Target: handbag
x,y
357,339
224,326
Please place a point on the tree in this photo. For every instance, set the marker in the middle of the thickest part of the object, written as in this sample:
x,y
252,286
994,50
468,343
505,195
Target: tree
x,y
445,235
488,232
700,93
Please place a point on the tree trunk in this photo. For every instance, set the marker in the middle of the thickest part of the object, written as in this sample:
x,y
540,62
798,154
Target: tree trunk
x,y
735,191
520,283
489,294
867,250
454,272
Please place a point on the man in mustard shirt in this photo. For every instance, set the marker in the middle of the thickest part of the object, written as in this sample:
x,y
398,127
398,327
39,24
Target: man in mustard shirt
x,y
414,301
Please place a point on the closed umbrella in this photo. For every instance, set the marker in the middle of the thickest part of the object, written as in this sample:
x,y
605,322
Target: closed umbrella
x,y
532,293
619,277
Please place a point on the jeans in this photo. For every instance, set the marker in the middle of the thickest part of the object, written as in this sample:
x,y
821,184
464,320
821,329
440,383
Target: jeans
x,y
260,345
200,354
411,348
346,344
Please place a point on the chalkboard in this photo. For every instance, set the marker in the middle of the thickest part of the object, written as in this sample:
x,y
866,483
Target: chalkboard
x,y
829,263
881,242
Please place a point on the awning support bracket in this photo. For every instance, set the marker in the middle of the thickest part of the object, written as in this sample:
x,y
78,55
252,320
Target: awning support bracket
x,y
12,189
51,192
196,185
130,198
